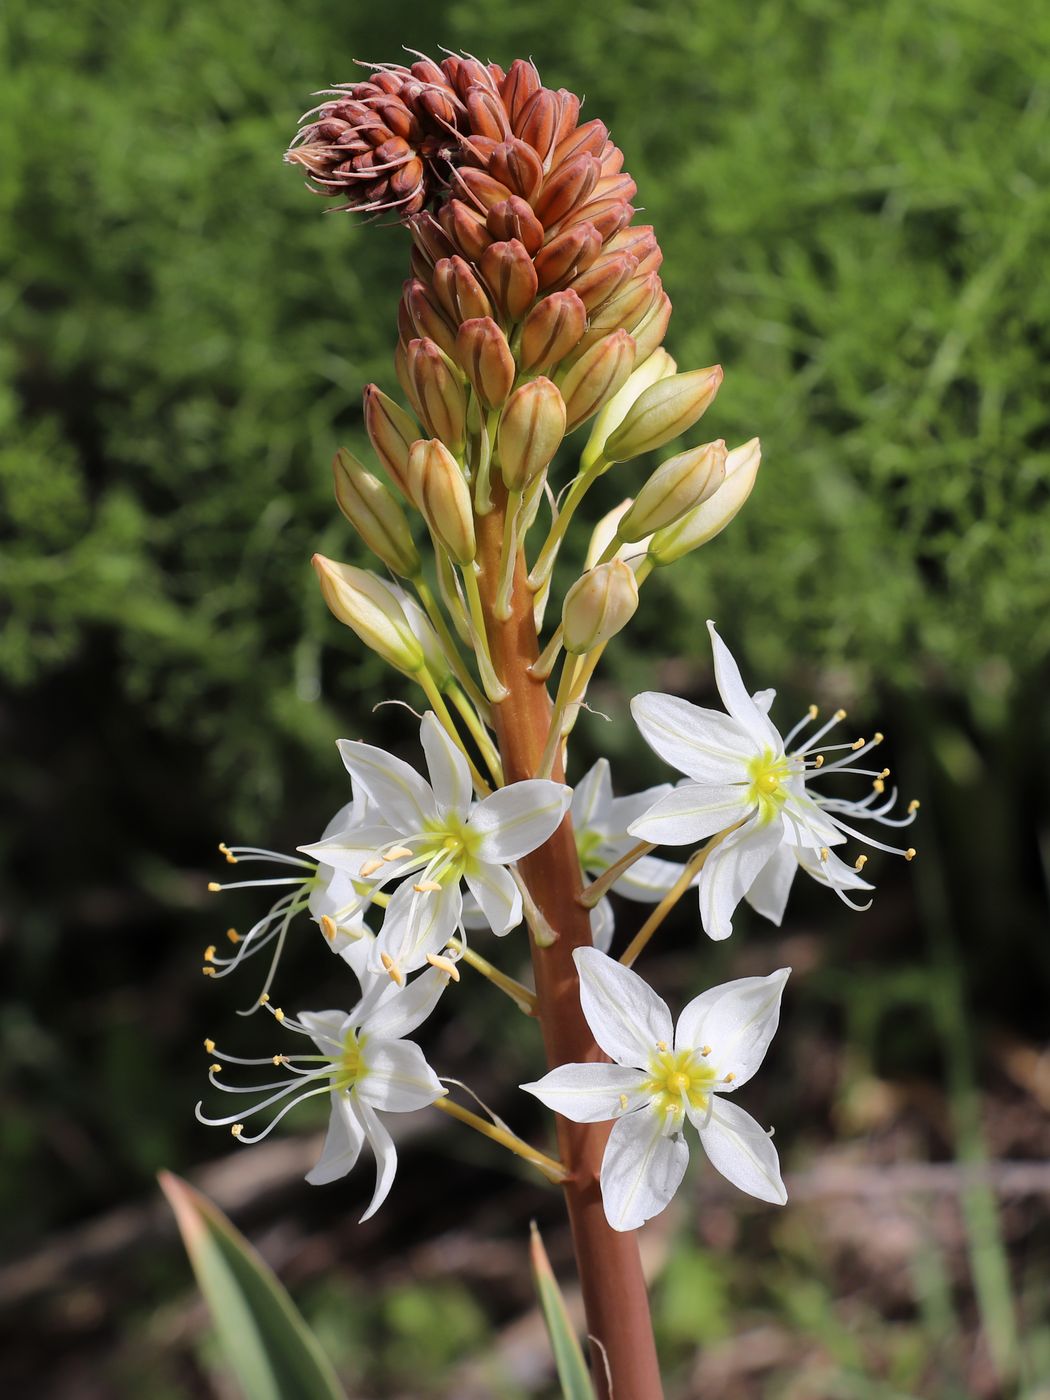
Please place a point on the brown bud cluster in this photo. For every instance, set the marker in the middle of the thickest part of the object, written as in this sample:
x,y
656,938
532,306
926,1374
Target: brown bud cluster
x,y
524,257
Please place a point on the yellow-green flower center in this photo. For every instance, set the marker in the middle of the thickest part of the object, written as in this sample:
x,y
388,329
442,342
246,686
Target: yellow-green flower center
x,y
681,1079
588,843
452,845
349,1064
768,774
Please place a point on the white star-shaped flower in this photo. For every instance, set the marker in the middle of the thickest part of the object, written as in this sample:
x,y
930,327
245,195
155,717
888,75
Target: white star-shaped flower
x,y
437,833
363,1063
663,1075
743,779
600,823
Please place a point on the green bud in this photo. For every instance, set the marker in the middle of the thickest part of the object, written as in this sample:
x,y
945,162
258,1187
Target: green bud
x,y
370,608
709,519
598,605
596,376
391,432
442,494
530,432
676,487
658,366
662,412
372,510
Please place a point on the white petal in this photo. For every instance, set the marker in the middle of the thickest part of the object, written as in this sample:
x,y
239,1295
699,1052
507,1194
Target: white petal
x,y
832,871
737,1020
626,1017
703,744
693,812
348,850
591,796
402,1009
732,868
807,824
342,1144
737,698
497,895
603,924
624,810
382,1144
449,774
328,1029
764,700
648,879
402,797
738,1147
590,1093
472,917
355,949
417,924
770,888
515,820
396,1077
642,1168
349,815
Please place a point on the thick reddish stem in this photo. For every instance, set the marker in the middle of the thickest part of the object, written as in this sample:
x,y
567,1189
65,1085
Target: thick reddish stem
x,y
623,1354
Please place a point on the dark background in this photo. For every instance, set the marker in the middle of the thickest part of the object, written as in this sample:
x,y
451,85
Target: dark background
x,y
854,208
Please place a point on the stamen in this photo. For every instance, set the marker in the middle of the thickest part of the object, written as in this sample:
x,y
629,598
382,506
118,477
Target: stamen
x,y
237,1129
278,1014
839,716
914,805
624,1101
264,997
231,859
209,953
445,965
706,1049
858,744
824,853
209,1046
214,1069
370,867
233,935
427,887
860,862
279,1060
818,762
208,971
397,853
392,970
877,738
328,927
910,853
879,786
661,1045
729,1078
213,887
813,711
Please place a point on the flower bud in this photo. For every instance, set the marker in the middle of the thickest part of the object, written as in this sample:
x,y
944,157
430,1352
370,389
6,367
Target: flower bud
x,y
568,254
537,122
434,657
658,366
427,316
530,432
372,510
596,376
598,605
709,519
481,187
370,608
482,350
461,295
567,187
551,331
438,392
605,532
511,277
391,432
514,219
651,329
464,227
629,305
603,279
663,411
518,86
675,488
443,496
516,165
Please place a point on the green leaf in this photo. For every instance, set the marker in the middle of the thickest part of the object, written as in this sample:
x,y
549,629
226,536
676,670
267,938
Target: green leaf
x,y
268,1345
572,1369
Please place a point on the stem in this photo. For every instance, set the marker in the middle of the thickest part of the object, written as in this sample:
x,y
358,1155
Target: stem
x,y
561,700
510,552
448,642
545,560
517,991
478,732
430,690
552,1170
494,687
693,866
609,876
623,1354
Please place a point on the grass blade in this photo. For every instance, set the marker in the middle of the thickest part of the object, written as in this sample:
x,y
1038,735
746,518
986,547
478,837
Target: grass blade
x,y
568,1358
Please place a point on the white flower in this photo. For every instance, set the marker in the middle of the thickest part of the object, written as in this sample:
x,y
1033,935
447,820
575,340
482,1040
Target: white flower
x,y
363,1063
663,1075
744,779
437,833
600,822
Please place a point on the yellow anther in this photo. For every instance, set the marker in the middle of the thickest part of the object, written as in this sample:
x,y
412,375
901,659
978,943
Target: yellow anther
x,y
370,867
209,1045
208,971
237,1129
824,853
278,1014
328,927
860,862
914,805
818,762
840,715
910,853
885,773
813,712
213,887
729,1078
392,970
233,935
877,738
879,786
209,953
278,1059
661,1045
264,998
705,1049
214,1069
858,744
225,850
445,965
624,1101
426,887
398,853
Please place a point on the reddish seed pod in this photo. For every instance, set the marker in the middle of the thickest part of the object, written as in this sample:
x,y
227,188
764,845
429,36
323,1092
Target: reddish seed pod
x,y
405,379
484,355
587,140
568,114
391,432
487,115
611,159
566,188
603,279
460,294
615,187
427,71
514,219
439,393
465,228
608,216
480,188
552,330
428,318
567,255
511,277
515,164
537,122
430,238
521,82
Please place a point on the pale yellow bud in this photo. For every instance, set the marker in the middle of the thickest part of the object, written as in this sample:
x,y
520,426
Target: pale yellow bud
x,y
676,487
439,489
662,412
370,608
530,432
707,520
605,532
374,513
658,366
598,605
596,376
